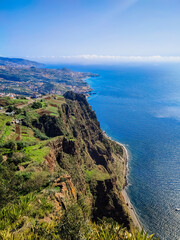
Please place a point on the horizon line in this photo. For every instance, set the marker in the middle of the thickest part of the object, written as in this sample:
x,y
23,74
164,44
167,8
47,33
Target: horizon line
x,y
94,58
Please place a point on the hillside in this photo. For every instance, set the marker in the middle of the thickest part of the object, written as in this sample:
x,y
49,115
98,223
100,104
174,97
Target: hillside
x,y
19,62
59,173
20,76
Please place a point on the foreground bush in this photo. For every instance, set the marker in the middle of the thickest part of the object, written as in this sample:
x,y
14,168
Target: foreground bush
x,y
110,230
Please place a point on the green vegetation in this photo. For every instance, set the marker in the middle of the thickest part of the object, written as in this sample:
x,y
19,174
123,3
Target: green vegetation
x,y
37,152
110,230
59,175
39,134
36,105
96,174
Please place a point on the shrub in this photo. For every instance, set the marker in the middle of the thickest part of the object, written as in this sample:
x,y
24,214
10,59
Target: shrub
x,y
36,105
11,145
21,145
10,108
72,223
18,157
39,134
108,229
8,123
8,184
31,182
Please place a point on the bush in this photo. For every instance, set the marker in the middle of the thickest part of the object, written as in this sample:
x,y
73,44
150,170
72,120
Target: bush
x,y
18,157
11,145
31,182
72,224
108,229
17,111
21,145
8,184
10,108
8,123
39,134
36,105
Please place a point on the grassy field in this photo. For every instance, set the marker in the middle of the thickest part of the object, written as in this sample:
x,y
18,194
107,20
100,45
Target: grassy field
x,y
38,151
17,132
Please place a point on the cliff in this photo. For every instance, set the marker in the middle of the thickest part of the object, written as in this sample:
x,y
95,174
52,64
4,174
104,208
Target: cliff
x,y
61,173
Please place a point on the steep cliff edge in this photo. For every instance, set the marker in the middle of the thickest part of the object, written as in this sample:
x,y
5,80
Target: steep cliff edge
x,y
67,164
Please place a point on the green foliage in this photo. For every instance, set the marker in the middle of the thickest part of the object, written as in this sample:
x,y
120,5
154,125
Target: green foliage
x,y
8,183
39,134
30,115
72,225
37,152
22,144
37,105
96,174
42,207
13,211
17,111
18,157
8,123
31,182
10,108
107,229
43,231
11,145
139,235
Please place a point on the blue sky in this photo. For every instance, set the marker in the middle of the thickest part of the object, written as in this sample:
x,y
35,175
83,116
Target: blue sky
x,y
90,30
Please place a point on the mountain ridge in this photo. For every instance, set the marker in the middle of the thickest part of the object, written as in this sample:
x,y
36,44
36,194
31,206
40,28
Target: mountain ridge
x,y
19,62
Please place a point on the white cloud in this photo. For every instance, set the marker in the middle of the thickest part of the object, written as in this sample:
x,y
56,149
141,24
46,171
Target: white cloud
x,y
87,58
169,112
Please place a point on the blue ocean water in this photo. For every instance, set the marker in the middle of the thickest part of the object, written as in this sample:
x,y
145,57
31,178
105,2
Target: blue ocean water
x,y
139,105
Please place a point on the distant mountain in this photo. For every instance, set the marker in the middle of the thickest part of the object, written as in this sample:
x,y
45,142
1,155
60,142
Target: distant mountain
x,y
19,62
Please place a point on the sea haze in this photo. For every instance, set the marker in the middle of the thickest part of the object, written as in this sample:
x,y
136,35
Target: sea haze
x,y
139,105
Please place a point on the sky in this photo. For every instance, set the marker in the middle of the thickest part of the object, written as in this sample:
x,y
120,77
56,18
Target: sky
x,y
91,31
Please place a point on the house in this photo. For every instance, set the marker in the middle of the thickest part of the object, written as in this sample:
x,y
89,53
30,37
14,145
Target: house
x,y
17,121
10,113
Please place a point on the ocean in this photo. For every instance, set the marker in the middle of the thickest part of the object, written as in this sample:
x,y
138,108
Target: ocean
x,y
139,106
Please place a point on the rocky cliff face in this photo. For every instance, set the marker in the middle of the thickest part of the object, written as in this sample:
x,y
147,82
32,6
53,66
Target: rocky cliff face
x,y
93,162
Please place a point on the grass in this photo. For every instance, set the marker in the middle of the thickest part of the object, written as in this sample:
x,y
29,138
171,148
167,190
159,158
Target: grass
x,y
12,212
37,152
4,119
27,134
17,101
32,114
54,104
96,174
5,130
53,110
113,231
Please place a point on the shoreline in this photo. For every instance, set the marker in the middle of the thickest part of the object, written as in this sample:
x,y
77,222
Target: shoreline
x,y
126,200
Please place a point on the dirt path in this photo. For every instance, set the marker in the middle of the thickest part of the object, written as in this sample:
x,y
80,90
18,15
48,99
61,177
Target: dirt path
x,y
18,131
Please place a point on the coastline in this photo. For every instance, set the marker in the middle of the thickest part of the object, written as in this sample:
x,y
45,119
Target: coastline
x,y
124,196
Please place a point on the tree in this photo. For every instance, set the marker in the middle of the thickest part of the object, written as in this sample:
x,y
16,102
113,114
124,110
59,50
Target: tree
x,y
36,105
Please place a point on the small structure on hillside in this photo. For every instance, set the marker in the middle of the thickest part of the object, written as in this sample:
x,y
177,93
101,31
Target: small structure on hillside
x,y
10,113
